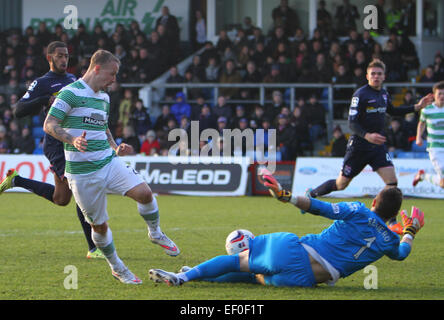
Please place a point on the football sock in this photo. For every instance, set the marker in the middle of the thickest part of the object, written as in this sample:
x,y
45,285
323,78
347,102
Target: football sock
x,y
86,229
212,268
325,188
42,189
432,178
150,213
106,244
246,277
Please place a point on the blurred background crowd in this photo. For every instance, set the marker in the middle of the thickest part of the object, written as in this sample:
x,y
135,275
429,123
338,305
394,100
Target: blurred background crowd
x,y
284,54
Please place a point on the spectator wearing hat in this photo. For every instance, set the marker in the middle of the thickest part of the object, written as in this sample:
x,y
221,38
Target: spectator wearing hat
x,y
243,124
150,145
181,107
239,114
274,75
222,123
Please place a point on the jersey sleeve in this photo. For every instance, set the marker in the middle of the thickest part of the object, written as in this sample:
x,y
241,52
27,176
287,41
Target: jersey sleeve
x,y
334,211
399,251
354,108
354,116
59,109
35,90
398,111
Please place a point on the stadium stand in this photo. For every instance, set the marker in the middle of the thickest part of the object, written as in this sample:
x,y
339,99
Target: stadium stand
x,y
283,55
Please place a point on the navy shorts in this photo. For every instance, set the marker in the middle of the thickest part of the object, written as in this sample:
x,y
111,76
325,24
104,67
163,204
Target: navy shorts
x,y
356,159
54,152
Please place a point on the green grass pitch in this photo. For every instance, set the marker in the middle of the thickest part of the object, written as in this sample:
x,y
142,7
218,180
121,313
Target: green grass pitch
x,y
39,240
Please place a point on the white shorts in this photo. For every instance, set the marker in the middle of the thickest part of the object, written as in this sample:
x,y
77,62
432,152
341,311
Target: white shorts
x,y
89,190
437,159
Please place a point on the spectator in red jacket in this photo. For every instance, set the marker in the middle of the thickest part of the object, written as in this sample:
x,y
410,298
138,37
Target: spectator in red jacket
x,y
150,145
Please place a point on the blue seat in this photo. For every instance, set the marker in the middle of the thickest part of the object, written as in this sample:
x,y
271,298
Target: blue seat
x,y
37,132
406,155
416,148
36,121
421,155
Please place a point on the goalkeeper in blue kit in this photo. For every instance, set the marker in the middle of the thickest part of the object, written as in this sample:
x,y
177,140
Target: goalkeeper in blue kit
x,y
358,237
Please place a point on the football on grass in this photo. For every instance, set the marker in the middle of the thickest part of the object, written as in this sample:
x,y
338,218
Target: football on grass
x,y
238,241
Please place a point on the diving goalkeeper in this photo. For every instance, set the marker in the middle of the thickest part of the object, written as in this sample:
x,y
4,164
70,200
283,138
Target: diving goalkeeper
x,y
358,237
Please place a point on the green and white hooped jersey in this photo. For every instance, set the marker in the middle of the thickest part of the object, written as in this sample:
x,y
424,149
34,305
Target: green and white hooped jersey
x,y
82,109
433,116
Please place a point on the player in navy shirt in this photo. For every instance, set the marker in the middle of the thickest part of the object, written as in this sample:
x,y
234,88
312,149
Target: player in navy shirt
x,y
358,237
366,145
40,95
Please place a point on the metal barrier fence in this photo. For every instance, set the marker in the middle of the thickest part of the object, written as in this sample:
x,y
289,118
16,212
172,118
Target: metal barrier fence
x,y
152,94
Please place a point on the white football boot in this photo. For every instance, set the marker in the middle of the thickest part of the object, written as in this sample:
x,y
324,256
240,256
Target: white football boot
x,y
166,243
170,278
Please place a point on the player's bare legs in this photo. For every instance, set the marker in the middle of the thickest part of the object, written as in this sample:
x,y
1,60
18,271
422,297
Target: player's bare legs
x,y
388,175
148,209
103,239
62,193
342,182
141,193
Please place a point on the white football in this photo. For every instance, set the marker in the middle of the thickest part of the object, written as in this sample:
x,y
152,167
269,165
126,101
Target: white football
x,y
238,241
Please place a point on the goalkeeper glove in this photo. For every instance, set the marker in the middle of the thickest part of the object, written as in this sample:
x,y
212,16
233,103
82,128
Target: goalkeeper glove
x,y
412,224
274,186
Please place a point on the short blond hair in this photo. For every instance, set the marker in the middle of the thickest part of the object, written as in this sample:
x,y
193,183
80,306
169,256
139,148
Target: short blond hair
x,y
376,63
101,57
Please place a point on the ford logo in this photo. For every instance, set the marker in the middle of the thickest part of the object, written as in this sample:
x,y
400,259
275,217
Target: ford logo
x,y
308,170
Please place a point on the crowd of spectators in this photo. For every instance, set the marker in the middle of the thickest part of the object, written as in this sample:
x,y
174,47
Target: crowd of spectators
x,y
285,54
